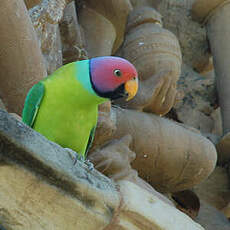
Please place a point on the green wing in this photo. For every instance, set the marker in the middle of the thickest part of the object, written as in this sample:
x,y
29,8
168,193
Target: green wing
x,y
90,141
32,103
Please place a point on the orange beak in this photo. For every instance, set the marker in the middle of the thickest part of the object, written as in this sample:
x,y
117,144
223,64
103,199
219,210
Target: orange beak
x,y
131,88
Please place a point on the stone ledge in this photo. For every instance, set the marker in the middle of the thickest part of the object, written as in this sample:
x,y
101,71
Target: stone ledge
x,y
34,161
22,145
40,188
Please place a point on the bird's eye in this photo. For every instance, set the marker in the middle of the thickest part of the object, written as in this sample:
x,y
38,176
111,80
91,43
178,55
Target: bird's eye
x,y
117,73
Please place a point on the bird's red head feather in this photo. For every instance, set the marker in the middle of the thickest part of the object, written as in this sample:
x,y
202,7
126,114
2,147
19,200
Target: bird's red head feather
x,y
113,77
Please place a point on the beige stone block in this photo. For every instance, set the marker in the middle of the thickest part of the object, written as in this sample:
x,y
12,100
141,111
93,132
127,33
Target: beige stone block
x,y
29,202
149,212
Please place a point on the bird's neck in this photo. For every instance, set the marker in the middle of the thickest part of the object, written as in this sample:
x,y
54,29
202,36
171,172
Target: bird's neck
x,y
83,76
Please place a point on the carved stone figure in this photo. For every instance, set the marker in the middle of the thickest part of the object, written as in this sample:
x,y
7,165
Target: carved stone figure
x,y
156,54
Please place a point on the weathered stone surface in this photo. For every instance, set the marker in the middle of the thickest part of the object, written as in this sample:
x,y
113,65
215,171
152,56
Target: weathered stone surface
x,y
113,159
21,61
216,17
16,116
212,219
215,190
138,201
73,44
27,202
29,161
45,18
191,35
196,108
168,156
51,47
42,189
48,11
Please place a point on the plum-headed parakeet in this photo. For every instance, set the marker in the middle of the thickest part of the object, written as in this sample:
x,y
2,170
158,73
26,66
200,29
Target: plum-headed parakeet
x,y
64,106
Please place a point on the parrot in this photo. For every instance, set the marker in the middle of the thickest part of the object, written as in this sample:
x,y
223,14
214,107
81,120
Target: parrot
x,y
63,107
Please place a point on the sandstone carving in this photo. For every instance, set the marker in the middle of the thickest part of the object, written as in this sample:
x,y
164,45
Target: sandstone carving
x,y
215,15
116,12
168,156
156,54
21,61
110,22
100,42
191,35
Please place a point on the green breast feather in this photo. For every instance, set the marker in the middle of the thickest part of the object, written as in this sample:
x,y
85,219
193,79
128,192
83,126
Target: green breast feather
x,y
32,103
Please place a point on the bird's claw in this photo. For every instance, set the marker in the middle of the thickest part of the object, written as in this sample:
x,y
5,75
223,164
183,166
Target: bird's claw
x,y
72,154
78,157
89,164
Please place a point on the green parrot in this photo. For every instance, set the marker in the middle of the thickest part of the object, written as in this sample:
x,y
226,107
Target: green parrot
x,y
64,106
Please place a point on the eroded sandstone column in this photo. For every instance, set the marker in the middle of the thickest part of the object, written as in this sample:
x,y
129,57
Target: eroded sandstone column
x,y
104,25
216,15
168,156
156,54
99,31
21,61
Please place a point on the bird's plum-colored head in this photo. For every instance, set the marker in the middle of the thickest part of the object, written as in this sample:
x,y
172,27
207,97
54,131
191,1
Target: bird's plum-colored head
x,y
113,77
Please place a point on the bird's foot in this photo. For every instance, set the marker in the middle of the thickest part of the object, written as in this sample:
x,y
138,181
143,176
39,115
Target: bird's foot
x,y
89,164
75,156
78,157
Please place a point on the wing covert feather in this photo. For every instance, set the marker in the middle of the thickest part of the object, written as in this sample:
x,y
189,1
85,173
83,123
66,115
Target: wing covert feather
x,y
90,141
32,103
